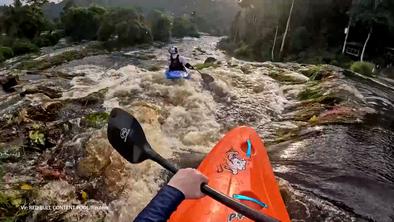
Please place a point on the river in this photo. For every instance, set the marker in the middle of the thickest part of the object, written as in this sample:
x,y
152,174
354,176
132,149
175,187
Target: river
x,y
329,172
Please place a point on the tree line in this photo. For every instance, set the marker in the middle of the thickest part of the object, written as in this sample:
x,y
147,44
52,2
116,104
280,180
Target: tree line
x,y
312,31
24,28
211,16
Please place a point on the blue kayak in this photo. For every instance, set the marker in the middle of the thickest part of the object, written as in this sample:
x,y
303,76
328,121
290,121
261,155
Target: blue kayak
x,y
177,75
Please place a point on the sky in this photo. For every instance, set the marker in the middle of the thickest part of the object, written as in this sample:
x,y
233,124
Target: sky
x,y
7,2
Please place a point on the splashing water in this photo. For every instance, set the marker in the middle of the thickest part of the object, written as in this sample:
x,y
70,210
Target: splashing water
x,y
186,118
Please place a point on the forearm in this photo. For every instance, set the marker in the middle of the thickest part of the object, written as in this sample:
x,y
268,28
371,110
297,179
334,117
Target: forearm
x,y
162,205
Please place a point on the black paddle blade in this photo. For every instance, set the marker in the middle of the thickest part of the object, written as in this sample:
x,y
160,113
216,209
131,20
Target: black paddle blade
x,y
207,78
126,135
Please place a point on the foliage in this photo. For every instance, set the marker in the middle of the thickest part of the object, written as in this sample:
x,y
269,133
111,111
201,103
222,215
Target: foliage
x,y
26,28
201,66
23,46
105,31
36,137
124,26
161,26
23,21
313,119
11,200
23,28
209,16
205,25
365,68
317,72
97,120
133,33
182,26
48,38
300,39
244,51
83,23
316,29
310,93
5,53
373,12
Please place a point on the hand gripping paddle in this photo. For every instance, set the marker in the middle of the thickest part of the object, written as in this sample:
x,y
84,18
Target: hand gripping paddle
x,y
126,135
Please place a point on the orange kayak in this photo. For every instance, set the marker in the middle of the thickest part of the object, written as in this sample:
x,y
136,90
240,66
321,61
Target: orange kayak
x,y
237,166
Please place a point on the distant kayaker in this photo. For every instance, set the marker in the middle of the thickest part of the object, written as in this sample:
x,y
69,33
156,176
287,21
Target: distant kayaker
x,y
177,62
185,184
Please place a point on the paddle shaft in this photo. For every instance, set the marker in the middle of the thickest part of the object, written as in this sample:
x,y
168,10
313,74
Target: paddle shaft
x,y
218,196
198,71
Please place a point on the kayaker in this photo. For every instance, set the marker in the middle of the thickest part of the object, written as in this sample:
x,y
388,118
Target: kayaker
x,y
177,62
185,184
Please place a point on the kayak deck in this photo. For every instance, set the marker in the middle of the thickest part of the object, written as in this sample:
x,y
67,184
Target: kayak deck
x,y
239,167
177,74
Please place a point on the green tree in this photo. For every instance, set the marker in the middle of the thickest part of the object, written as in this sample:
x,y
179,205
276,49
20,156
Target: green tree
x,y
83,23
300,39
105,31
24,21
160,24
69,4
182,26
133,33
372,14
126,24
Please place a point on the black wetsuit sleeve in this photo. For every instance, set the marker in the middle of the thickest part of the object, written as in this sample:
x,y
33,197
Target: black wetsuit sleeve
x,y
161,206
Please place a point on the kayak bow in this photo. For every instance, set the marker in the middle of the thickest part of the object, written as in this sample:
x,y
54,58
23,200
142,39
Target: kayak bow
x,y
237,166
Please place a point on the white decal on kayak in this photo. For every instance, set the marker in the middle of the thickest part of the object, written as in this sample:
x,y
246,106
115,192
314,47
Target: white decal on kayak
x,y
234,216
233,163
124,133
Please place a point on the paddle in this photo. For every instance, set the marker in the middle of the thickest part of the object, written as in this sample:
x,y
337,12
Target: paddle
x,y
127,136
205,77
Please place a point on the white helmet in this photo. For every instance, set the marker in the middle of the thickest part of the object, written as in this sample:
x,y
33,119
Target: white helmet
x,y
173,50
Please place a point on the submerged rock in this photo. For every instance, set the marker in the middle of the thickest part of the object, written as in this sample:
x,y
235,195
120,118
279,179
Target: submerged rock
x,y
56,192
115,176
8,83
103,167
97,157
344,115
210,60
48,91
246,69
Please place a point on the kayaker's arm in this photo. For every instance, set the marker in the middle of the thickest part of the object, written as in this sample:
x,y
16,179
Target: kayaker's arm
x,y
162,205
185,184
185,63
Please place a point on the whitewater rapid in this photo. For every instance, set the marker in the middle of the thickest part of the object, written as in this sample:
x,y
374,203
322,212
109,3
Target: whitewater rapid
x,y
184,119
